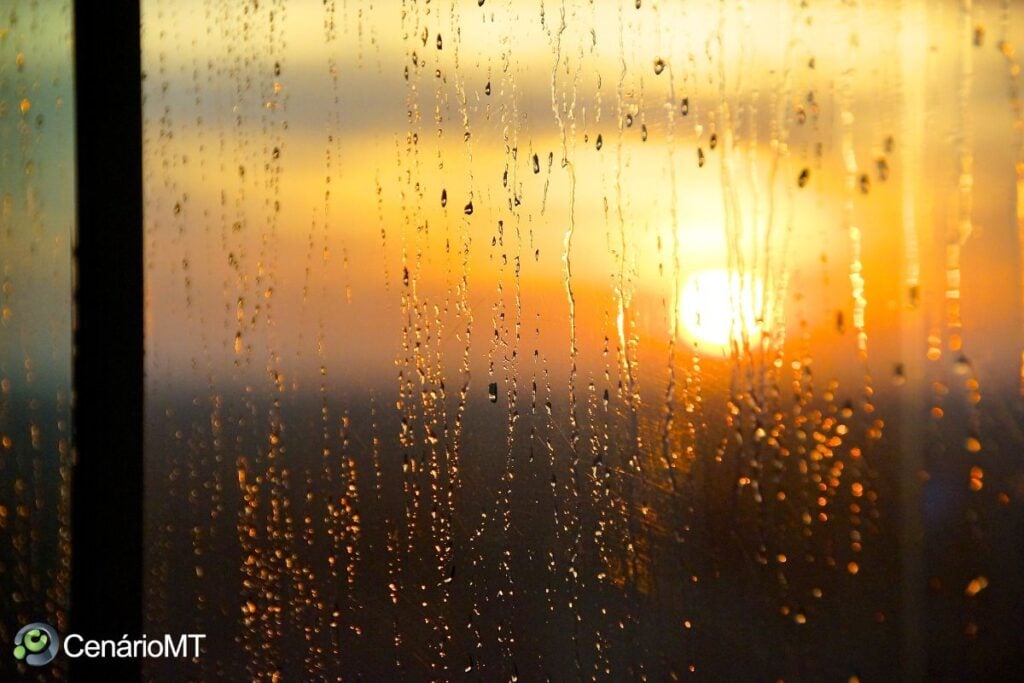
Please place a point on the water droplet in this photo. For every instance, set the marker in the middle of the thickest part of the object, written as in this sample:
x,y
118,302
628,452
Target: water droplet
x,y
883,168
684,106
600,142
469,208
865,183
492,392
804,176
714,141
975,586
487,89
659,66
629,120
439,44
700,158
899,376
444,198
847,409
536,164
643,132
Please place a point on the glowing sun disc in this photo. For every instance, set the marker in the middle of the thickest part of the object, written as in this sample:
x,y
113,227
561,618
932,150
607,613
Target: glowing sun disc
x,y
716,307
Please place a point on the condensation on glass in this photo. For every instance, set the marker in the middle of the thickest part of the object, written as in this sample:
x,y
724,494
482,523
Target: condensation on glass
x,y
37,184
633,340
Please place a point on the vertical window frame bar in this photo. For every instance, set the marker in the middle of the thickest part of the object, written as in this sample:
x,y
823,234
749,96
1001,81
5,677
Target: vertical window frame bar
x,y
108,370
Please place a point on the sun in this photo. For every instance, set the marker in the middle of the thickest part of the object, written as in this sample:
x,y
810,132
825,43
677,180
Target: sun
x,y
716,307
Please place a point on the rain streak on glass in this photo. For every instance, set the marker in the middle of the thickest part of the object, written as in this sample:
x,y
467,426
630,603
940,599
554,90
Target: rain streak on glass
x,y
564,340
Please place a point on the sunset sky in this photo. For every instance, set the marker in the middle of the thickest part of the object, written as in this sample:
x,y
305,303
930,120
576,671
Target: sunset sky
x,y
646,216
709,273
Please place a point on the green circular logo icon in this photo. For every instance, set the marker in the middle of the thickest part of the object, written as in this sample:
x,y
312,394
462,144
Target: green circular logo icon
x,y
36,644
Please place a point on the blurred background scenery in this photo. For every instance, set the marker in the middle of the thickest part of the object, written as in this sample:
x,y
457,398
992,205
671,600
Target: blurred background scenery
x,y
548,340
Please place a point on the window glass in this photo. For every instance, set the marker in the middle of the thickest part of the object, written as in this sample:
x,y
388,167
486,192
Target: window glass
x,y
621,340
37,185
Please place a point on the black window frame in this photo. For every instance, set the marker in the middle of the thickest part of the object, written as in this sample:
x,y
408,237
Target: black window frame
x,y
107,410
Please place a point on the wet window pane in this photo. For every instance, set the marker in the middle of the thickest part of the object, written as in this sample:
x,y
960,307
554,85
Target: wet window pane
x,y
562,340
37,183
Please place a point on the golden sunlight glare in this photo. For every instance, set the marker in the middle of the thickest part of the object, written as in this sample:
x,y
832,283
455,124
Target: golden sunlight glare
x,y
716,307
